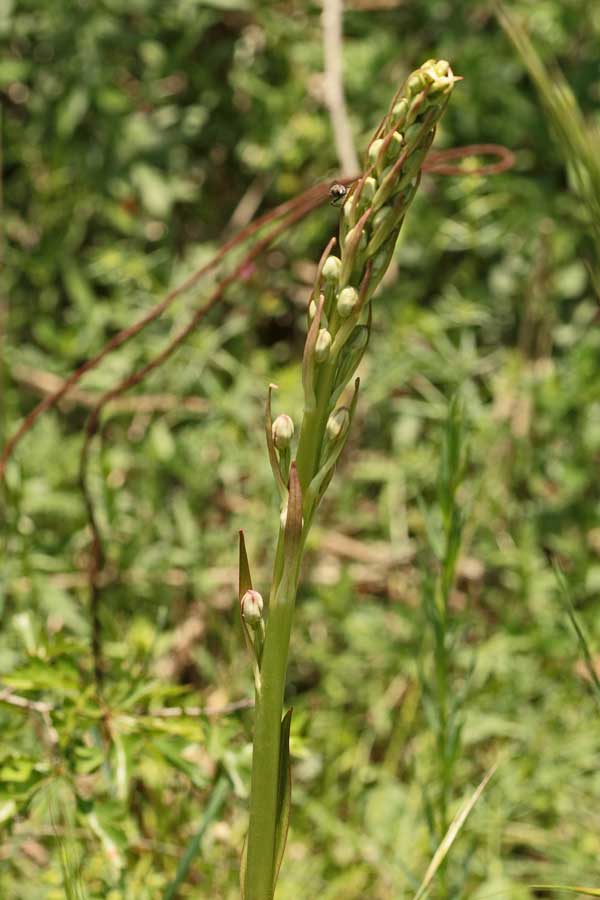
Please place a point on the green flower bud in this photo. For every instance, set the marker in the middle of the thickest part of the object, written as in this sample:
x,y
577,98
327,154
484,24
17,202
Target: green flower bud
x,y
441,77
399,112
441,68
252,608
347,301
383,222
396,143
282,431
369,188
323,345
352,247
417,81
374,149
338,423
332,268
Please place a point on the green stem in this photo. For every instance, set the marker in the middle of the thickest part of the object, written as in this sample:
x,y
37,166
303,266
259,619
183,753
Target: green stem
x,y
313,427
260,876
265,760
269,698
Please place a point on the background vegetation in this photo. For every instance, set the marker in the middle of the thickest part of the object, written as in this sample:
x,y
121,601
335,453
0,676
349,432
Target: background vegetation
x,y
136,137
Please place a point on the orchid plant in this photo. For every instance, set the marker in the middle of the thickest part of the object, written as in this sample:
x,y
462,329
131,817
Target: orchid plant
x,y
339,313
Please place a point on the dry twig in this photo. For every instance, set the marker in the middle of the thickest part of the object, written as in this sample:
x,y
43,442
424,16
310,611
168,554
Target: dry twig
x,y
334,86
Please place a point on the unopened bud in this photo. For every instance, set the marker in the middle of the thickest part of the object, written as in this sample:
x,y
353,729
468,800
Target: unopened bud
x,y
332,268
347,301
443,79
282,431
323,345
397,142
252,607
338,423
399,112
374,149
417,81
369,188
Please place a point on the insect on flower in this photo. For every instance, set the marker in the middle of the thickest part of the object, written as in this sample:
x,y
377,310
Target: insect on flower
x,y
337,193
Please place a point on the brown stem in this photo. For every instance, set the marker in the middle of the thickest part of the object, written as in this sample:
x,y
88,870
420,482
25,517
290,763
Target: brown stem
x,y
306,201
97,556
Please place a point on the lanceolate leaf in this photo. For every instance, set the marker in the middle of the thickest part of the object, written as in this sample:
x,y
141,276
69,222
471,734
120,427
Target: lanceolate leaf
x,y
451,835
245,579
284,795
293,521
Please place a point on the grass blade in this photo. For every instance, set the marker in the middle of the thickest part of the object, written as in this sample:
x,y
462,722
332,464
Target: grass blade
x,y
212,810
455,826
581,638
578,141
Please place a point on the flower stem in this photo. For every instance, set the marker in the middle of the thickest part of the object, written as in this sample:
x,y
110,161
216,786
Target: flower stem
x,y
339,311
313,428
265,760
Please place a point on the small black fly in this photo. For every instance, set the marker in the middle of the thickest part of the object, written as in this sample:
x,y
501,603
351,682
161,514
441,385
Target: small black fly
x,y
337,194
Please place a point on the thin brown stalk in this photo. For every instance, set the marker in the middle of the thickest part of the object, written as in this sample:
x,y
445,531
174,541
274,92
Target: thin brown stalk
x,y
306,201
435,163
334,86
45,383
97,555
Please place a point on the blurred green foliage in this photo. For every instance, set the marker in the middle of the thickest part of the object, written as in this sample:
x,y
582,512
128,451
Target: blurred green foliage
x,y
135,137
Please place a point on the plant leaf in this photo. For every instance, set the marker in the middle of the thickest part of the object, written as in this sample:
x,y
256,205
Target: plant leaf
x,y
584,647
217,798
245,579
293,522
451,835
284,795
